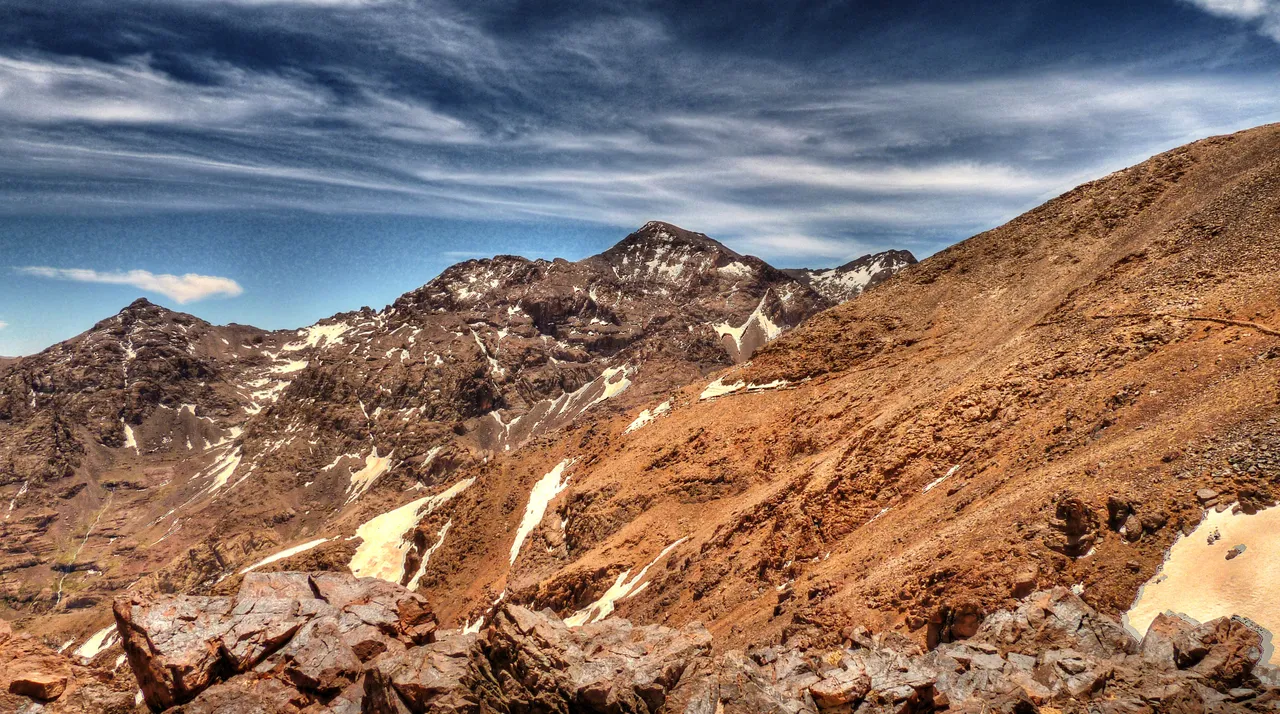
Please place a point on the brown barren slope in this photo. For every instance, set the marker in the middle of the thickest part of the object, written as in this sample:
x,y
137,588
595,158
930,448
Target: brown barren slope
x,y
1034,406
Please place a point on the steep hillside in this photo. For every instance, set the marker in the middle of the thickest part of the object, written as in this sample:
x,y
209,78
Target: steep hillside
x,y
1048,403
159,451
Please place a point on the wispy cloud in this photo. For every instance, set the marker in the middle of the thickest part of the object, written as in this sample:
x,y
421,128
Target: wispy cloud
x,y
3,324
602,115
1265,14
186,288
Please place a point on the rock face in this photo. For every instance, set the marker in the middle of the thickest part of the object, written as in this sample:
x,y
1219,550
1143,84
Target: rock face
x,y
35,678
318,653
848,281
337,643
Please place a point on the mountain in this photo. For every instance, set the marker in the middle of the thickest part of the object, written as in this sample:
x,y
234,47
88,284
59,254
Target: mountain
x,y
123,448
1048,404
953,486
848,281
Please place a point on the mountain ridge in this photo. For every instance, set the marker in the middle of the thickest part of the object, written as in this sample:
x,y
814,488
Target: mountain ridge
x,y
1051,405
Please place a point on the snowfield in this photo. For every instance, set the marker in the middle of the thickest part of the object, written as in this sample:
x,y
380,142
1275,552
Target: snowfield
x,y
1197,579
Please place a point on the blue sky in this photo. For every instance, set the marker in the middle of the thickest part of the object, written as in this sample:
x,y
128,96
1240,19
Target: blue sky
x,y
275,161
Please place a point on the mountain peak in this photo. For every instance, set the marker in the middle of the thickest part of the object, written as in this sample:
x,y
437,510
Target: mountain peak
x,y
848,281
663,232
139,304
656,239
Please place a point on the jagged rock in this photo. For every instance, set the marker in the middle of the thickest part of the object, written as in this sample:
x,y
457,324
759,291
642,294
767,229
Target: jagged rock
x,y
1053,650
608,666
315,630
42,677
840,688
35,678
1075,527
1024,582
435,677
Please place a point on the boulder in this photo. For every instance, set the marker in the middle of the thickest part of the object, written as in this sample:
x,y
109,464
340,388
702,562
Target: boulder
x,y
43,677
840,687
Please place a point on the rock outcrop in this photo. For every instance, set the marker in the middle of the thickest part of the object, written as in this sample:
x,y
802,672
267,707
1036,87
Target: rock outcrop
x,y
35,678
330,643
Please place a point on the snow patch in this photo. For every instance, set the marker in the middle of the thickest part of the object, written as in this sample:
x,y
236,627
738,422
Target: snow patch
x,y
622,588
757,317
97,642
426,555
316,335
384,543
547,488
941,478
737,270
14,501
129,441
289,367
374,466
223,469
284,554
1198,581
718,389
647,417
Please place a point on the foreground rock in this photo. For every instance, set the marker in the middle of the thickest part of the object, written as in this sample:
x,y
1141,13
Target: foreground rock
x,y
1053,654
34,678
331,642
334,643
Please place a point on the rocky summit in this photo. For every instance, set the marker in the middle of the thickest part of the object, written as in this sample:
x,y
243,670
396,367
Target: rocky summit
x,y
1036,471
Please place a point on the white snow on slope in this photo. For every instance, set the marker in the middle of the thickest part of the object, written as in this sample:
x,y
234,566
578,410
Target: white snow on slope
x,y
426,556
564,408
951,472
129,441
289,367
771,330
646,417
223,469
284,554
98,642
384,543
374,466
718,389
547,488
851,282
620,590
737,270
316,334
1198,581
14,501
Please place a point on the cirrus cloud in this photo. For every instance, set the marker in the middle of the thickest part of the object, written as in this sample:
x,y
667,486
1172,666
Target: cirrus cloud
x,y
1265,13
186,288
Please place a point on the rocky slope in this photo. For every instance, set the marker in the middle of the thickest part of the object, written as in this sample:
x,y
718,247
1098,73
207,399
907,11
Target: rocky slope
x,y
848,281
1037,406
327,642
122,449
